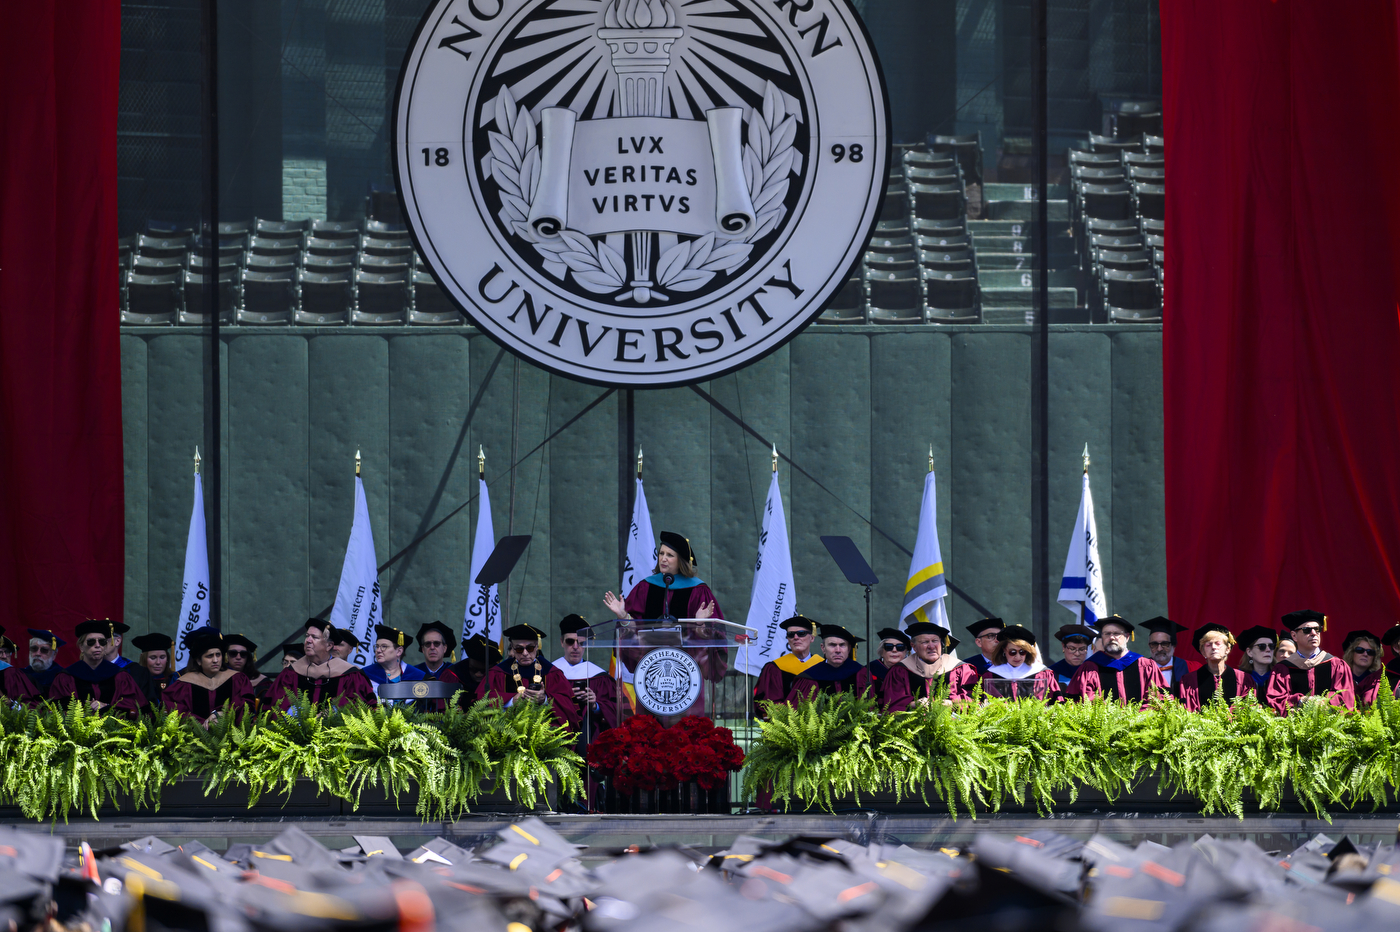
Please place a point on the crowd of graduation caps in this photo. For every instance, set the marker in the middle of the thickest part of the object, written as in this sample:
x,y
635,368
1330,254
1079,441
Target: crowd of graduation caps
x,y
913,666
526,877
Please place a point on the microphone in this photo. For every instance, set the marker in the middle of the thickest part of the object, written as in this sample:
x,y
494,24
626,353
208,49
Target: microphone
x,y
667,578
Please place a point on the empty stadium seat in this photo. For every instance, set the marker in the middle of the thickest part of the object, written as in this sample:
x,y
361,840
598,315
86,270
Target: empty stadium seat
x,y
1106,201
382,297
889,262
431,305
1144,160
1150,201
938,201
384,265
848,306
163,247
169,229
891,244
336,230
229,229
1131,290
291,230
282,248
1135,260
315,263
951,297
195,310
151,299
325,297
1154,145
1131,119
269,297
149,265
384,230
343,249
1110,144
966,149
277,263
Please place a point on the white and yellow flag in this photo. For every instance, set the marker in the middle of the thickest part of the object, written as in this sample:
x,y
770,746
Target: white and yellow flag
x,y
925,591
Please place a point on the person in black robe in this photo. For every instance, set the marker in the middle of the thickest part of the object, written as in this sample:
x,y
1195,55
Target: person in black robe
x,y
1258,644
1214,678
1161,646
15,686
43,665
1311,671
241,656
8,650
1075,641
838,674
986,634
114,656
343,643
291,653
102,686
208,689
478,655
1120,673
1391,639
526,676
436,642
157,657
318,674
777,676
891,650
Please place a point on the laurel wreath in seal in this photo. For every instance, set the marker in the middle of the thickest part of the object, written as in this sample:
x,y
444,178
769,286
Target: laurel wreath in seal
x,y
769,161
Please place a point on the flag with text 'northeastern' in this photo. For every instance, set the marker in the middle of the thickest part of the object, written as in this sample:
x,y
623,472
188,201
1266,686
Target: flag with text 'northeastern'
x,y
194,595
641,555
483,612
1081,590
774,597
357,601
925,591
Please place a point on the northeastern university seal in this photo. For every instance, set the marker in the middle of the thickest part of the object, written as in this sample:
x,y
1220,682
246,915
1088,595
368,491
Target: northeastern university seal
x,y
641,192
667,681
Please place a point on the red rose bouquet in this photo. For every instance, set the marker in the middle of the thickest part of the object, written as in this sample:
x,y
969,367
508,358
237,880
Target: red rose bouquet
x,y
643,755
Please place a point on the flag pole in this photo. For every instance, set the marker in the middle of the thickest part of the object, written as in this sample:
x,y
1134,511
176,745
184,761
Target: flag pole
x,y
775,457
357,462
1086,459
930,457
480,462
639,462
196,459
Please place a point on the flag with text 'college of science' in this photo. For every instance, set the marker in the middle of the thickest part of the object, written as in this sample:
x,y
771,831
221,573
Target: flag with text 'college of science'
x,y
194,595
483,612
1081,590
641,559
925,590
357,603
774,597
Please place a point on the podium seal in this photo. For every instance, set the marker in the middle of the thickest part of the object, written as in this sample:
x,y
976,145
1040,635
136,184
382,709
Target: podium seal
x,y
641,192
667,681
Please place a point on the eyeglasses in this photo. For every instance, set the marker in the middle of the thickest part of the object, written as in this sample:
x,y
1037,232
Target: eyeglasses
x,y
1016,652
1159,643
237,653
994,635
523,648
1263,645
570,642
96,642
891,645
1364,650
1309,629
791,635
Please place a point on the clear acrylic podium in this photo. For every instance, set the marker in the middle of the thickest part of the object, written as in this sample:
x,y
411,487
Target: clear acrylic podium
x,y
673,667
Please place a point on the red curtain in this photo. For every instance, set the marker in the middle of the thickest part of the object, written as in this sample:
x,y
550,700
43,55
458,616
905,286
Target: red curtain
x,y
61,506
1281,348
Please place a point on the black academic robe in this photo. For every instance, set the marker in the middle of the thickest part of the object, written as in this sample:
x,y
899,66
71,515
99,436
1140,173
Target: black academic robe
x,y
1128,679
107,683
503,682
1196,689
43,679
1290,683
824,678
776,678
1063,671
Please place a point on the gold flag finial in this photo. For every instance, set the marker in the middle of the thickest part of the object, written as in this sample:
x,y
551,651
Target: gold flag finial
x,y
480,462
775,457
1086,459
357,461
930,457
197,460
639,462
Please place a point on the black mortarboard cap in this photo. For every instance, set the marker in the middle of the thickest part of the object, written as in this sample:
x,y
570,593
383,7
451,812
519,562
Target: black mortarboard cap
x,y
571,624
320,624
447,634
237,639
1205,629
8,644
1075,631
1120,621
341,636
153,641
1293,620
118,627
93,626
1354,635
801,622
478,647
202,639
1391,636
293,650
1163,624
836,631
1018,633
393,635
927,627
892,634
681,545
977,627
44,634
524,633
1249,636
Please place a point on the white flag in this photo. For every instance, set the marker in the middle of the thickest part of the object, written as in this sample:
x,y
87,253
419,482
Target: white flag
x,y
194,595
774,598
1081,590
483,614
925,591
641,545
357,606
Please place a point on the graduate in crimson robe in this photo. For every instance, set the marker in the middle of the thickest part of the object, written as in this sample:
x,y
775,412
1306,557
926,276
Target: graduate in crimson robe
x,y
102,686
525,676
838,672
322,677
1196,689
1116,671
1016,671
1361,651
890,651
1258,644
776,677
918,677
207,687
685,596
157,658
1311,671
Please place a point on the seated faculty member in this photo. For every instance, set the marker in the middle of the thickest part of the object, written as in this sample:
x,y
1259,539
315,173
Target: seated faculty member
x,y
525,676
1016,671
1258,644
1161,644
291,653
207,689
1115,671
1311,671
157,657
8,650
43,658
388,666
1075,640
99,684
478,656
17,687
1361,650
839,671
594,690
1215,677
1287,647
241,656
918,677
436,642
1391,639
343,643
776,677
985,635
318,674
890,650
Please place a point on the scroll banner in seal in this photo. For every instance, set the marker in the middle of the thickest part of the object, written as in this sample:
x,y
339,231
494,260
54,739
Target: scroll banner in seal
x,y
642,173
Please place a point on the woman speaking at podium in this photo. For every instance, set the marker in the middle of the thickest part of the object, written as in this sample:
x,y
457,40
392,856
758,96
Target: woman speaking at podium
x,y
685,596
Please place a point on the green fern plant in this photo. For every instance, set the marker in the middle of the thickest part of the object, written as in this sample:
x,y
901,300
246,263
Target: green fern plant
x,y
818,751
382,746
528,749
931,746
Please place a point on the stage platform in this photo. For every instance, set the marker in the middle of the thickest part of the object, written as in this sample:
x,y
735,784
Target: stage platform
x,y
606,834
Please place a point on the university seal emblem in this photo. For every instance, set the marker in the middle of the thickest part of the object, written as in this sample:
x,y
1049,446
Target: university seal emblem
x,y
641,192
667,681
